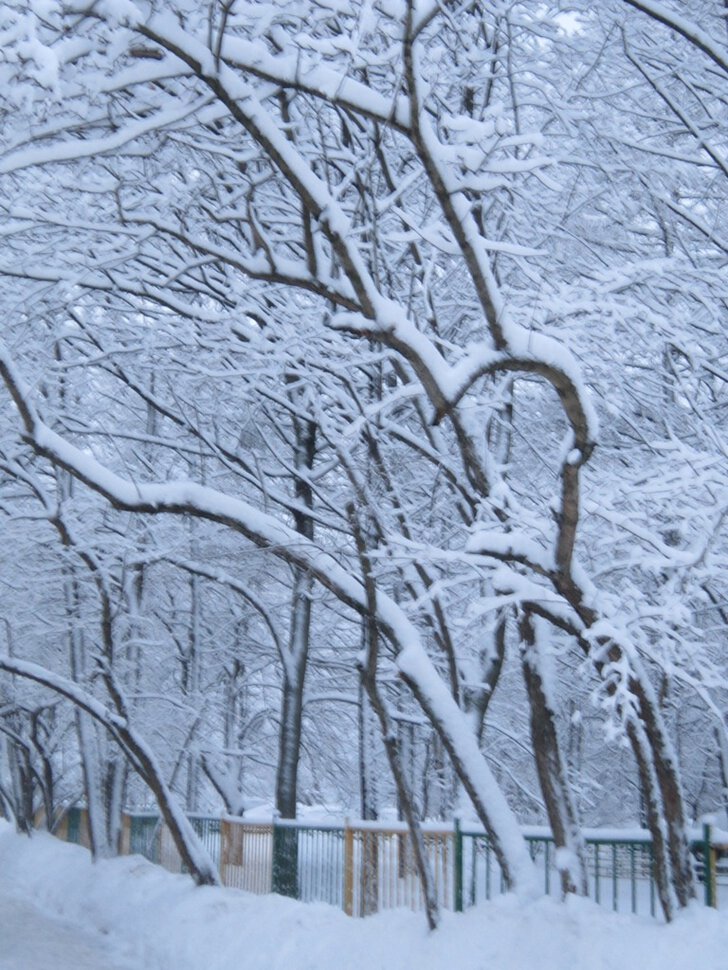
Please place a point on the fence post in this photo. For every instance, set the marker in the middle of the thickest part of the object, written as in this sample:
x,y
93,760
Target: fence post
x,y
73,826
709,866
458,863
225,846
125,834
348,868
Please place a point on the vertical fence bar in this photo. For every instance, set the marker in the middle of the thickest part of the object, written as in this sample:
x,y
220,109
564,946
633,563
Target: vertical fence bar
x,y
73,829
547,868
473,869
709,866
348,869
458,862
633,877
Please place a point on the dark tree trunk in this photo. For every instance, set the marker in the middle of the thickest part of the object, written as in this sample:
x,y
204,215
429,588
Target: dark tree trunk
x,y
550,766
294,663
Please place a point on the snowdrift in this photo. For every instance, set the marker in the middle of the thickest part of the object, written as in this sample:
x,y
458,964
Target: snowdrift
x,y
160,921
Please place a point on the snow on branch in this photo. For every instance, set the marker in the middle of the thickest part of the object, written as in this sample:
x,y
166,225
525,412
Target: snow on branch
x,y
185,497
510,547
312,78
73,148
686,28
535,353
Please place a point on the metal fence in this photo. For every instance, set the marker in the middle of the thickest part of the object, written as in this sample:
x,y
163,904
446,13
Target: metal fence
x,y
619,870
364,867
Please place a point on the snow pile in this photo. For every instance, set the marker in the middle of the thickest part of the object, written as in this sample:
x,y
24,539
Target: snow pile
x,y
159,921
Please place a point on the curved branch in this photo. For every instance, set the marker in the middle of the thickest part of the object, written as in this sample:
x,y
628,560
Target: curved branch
x,y
686,28
193,853
184,497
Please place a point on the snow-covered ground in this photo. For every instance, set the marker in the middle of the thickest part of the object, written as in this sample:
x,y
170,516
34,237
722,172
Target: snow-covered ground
x,y
31,939
135,915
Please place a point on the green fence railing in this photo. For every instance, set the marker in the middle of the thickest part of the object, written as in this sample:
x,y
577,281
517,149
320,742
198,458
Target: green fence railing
x,y
620,871
363,867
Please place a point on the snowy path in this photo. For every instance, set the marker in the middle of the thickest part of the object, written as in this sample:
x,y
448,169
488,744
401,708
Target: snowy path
x,y
32,940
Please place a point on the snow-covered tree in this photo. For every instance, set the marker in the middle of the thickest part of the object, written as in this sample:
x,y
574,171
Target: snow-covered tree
x,y
374,270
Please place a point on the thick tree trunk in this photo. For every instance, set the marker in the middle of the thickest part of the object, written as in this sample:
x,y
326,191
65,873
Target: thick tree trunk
x,y
90,741
193,853
656,761
552,773
294,672
476,778
662,869
368,673
477,699
652,733
285,869
404,794
722,746
368,801
294,663
657,766
22,788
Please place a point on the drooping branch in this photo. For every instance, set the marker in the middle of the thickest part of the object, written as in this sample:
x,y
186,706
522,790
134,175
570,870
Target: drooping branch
x,y
189,498
192,851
